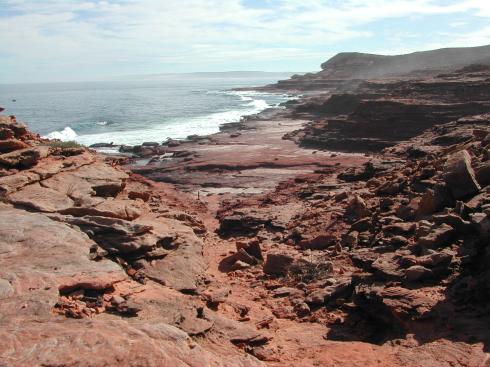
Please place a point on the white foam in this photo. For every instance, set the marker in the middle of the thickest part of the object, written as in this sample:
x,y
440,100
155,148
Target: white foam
x,y
67,134
176,129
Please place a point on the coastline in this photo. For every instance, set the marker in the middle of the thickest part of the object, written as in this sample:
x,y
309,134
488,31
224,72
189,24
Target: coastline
x,y
247,248
246,157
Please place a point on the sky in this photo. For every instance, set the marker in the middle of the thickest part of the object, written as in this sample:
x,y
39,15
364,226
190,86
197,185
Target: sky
x,y
73,40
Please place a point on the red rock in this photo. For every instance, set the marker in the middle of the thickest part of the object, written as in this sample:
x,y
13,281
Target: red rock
x,y
417,273
7,146
24,158
437,237
40,198
459,175
277,264
319,242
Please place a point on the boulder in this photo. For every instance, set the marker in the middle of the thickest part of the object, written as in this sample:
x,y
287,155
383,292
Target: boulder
x,y
394,307
357,206
252,248
459,175
431,201
455,221
317,297
277,264
401,228
482,223
244,256
318,242
150,144
417,273
483,174
438,236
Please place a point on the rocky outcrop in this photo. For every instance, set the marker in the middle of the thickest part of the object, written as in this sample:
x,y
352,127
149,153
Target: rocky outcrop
x,y
85,250
391,250
382,113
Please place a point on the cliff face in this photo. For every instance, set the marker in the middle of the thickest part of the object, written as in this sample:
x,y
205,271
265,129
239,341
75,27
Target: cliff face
x,y
343,71
378,114
355,65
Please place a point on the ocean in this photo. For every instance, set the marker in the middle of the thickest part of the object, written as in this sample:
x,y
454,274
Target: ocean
x,y
132,112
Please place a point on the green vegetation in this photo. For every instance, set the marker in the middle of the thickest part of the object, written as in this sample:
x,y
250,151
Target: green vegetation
x,y
63,144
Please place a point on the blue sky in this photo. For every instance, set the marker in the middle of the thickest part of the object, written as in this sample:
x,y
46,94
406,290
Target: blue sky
x,y
62,40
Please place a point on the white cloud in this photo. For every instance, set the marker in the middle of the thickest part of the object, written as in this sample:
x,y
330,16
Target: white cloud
x,y
70,39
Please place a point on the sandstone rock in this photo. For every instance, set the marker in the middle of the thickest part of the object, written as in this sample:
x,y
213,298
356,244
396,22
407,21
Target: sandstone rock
x,y
101,342
401,228
243,256
438,237
395,307
455,221
10,145
183,267
358,207
150,144
36,249
40,198
483,174
6,134
24,158
104,179
317,297
442,259
242,223
428,203
362,225
482,224
423,228
397,241
318,243
114,208
11,183
459,175
302,309
350,239
417,273
387,267
287,291
277,264
252,248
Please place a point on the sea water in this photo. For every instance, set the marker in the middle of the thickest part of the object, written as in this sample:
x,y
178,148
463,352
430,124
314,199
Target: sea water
x,y
133,112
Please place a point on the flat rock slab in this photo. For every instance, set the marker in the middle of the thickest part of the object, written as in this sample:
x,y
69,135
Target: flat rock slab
x,y
41,257
103,342
182,268
41,198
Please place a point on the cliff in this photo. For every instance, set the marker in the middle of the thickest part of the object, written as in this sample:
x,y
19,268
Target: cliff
x,y
345,70
381,113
